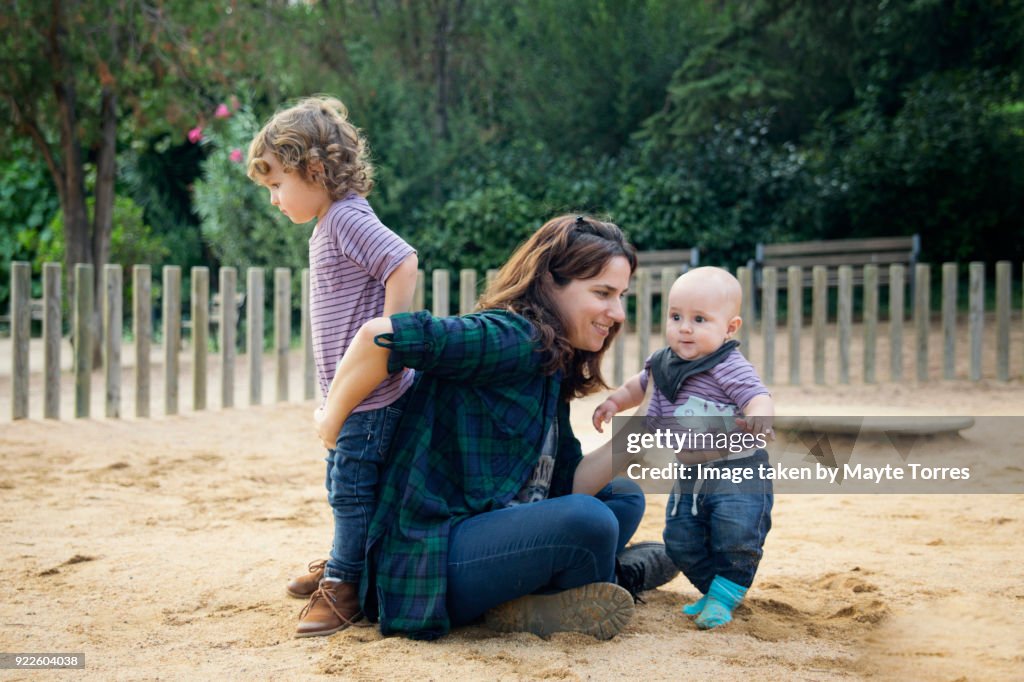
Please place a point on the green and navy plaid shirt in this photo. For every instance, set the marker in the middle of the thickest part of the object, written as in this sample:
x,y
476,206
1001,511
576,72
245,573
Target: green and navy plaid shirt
x,y
470,436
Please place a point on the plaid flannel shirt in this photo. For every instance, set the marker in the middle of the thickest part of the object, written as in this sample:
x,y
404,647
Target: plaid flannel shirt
x,y
469,438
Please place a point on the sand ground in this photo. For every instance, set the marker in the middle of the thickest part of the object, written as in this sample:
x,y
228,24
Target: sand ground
x,y
160,549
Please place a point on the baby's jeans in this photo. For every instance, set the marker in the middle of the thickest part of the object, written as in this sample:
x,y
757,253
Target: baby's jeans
x,y
724,532
353,472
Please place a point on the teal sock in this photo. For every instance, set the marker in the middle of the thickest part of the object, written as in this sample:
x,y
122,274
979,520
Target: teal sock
x,y
722,597
696,607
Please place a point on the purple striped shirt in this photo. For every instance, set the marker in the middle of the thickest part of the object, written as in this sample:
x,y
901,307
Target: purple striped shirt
x,y
351,255
731,383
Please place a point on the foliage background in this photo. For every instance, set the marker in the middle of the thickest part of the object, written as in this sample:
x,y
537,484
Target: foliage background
x,y
706,124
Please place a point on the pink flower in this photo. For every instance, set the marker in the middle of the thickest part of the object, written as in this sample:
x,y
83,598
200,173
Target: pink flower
x,y
222,111
195,134
236,155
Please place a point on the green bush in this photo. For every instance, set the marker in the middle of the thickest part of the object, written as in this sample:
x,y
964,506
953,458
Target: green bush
x,y
28,203
238,223
132,241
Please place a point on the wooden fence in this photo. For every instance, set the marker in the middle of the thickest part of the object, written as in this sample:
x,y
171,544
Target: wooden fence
x,y
823,325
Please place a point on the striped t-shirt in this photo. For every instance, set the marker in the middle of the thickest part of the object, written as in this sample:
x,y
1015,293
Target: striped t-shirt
x,y
351,255
729,386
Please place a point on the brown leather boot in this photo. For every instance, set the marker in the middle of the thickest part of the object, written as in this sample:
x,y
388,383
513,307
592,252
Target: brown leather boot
x,y
333,607
304,586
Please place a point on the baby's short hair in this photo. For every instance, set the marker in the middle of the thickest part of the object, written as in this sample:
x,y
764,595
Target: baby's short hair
x,y
718,281
315,131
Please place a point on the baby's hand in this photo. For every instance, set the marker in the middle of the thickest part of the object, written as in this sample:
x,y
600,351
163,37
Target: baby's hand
x,y
757,425
604,413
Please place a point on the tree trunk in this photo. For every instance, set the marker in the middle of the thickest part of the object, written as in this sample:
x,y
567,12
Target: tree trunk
x,y
442,32
447,15
103,210
70,178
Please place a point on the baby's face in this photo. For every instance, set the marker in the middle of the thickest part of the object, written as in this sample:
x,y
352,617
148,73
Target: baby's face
x,y
699,321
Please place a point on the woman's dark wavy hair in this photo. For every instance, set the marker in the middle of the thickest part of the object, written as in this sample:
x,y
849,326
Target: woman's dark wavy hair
x,y
565,248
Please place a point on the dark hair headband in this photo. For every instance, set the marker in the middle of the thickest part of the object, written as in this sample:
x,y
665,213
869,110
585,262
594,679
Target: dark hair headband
x,y
584,226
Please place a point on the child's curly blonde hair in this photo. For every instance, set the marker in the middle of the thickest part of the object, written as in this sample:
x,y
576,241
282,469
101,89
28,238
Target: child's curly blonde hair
x,y
312,134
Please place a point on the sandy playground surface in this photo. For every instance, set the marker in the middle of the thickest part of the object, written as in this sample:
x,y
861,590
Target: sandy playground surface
x,y
160,548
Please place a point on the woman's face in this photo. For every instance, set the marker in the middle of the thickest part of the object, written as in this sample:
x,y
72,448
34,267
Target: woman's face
x,y
589,307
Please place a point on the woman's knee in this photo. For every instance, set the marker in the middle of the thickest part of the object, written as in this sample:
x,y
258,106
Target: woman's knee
x,y
589,521
625,492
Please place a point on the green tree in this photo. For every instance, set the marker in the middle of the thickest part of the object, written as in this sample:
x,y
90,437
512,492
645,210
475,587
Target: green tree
x,y
897,113
80,76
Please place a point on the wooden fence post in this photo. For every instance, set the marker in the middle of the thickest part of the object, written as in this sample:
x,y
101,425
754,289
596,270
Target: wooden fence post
x,y
949,287
668,277
440,284
845,319
419,295
896,315
84,305
142,330
794,318
819,314
51,339
870,322
922,316
619,354
227,287
1003,293
21,333
768,322
172,335
467,291
309,379
113,321
200,334
282,327
254,332
745,276
643,314
976,316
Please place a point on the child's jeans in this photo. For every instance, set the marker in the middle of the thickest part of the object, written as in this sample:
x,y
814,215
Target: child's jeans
x,y
353,471
726,534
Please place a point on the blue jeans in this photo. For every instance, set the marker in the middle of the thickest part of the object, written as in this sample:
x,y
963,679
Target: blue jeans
x,y
726,535
545,546
353,472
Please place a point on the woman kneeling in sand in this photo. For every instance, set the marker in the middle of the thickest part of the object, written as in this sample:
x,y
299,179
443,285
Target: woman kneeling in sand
x,y
487,506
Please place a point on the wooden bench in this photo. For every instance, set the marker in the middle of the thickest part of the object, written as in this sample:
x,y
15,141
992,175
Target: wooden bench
x,y
679,259
36,310
881,251
214,316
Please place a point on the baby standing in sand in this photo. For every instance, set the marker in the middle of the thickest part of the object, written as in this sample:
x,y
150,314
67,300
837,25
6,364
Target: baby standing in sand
x,y
714,529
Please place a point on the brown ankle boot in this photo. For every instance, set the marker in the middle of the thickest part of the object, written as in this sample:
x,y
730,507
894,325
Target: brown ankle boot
x,y
304,586
333,607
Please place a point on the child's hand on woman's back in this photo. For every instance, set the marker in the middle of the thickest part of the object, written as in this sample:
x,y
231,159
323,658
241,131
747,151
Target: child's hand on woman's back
x,y
324,429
